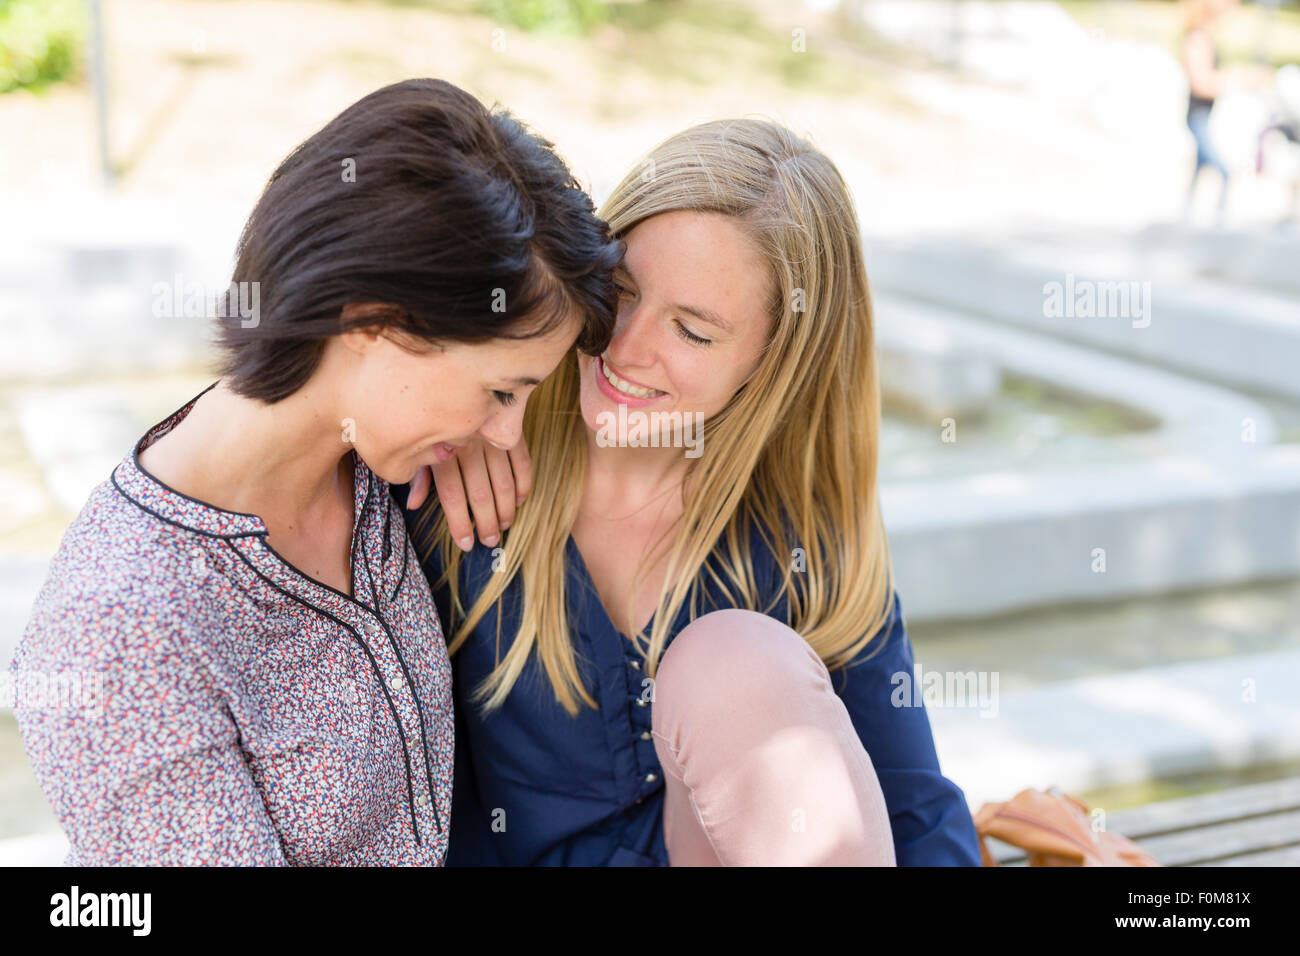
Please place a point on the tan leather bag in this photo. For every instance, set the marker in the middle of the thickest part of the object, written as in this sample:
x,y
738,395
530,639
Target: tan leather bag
x,y
1052,828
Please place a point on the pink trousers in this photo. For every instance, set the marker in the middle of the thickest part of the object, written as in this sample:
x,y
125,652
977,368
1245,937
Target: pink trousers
x,y
762,764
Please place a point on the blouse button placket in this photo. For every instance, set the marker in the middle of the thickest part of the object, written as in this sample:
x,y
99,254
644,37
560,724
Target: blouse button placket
x,y
403,698
404,704
384,652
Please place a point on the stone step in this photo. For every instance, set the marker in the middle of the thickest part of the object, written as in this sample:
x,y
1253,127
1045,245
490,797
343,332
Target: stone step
x,y
82,285
1082,735
1268,258
1018,536
1185,413
982,545
1228,333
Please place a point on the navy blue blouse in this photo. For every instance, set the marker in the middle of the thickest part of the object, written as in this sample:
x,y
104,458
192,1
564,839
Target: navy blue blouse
x,y
534,786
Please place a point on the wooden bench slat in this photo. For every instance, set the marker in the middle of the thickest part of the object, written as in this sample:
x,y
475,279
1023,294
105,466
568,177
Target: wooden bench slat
x,y
1227,839
1286,856
1254,822
1206,808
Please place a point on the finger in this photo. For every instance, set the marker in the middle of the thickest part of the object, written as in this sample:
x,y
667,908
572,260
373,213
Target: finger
x,y
451,495
419,488
521,463
478,491
503,484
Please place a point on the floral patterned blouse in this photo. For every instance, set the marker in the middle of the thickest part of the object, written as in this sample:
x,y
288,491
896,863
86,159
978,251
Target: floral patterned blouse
x,y
228,709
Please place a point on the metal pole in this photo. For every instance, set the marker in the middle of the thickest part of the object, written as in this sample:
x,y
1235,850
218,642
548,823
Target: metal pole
x,y
1264,39
99,87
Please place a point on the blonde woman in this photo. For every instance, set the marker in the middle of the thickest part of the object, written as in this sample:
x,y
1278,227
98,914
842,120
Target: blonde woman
x,y
683,651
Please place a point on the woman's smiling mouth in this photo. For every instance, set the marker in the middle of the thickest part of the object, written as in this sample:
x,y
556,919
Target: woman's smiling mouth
x,y
620,389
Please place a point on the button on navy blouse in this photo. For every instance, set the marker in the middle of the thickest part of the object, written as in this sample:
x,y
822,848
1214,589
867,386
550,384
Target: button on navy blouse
x,y
534,786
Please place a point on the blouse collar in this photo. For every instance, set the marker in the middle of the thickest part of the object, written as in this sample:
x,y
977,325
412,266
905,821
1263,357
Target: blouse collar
x,y
175,507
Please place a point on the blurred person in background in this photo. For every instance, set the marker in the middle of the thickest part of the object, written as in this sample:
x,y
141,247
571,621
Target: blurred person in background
x,y
1205,81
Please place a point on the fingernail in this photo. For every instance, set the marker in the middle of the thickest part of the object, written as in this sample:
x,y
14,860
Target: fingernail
x,y
505,526
466,543
490,540
519,500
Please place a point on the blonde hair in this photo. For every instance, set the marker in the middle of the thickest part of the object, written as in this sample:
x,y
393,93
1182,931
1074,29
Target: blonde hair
x,y
794,452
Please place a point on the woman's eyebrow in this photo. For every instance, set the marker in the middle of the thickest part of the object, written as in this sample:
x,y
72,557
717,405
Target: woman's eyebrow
x,y
704,315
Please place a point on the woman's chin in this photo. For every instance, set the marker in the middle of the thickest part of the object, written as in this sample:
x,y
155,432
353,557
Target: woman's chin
x,y
395,473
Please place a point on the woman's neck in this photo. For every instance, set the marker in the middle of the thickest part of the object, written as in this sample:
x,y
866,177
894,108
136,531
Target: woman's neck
x,y
619,476
282,462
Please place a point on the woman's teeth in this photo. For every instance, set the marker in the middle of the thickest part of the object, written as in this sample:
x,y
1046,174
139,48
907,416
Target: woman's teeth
x,y
627,388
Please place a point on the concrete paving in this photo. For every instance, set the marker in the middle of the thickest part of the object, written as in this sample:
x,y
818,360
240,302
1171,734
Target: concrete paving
x,y
1080,735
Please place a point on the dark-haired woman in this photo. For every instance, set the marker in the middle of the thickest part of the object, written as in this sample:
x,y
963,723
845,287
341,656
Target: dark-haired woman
x,y
270,681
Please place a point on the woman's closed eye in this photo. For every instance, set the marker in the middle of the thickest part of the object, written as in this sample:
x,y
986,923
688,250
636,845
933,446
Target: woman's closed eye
x,y
690,336
505,398
625,291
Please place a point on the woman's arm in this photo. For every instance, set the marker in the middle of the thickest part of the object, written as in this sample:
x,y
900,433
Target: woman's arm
x,y
1198,59
145,768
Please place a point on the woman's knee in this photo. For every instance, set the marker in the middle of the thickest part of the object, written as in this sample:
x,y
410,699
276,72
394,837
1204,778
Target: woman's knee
x,y
730,659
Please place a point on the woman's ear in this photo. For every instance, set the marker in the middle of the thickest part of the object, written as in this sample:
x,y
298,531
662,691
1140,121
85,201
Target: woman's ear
x,y
362,338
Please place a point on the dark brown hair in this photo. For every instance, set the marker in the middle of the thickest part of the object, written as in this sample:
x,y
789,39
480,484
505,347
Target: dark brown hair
x,y
463,223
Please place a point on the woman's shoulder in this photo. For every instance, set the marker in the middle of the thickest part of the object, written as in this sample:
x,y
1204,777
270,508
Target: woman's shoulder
x,y
118,572
114,541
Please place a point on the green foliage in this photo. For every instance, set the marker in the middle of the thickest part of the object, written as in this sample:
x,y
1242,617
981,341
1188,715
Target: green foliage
x,y
40,42
555,16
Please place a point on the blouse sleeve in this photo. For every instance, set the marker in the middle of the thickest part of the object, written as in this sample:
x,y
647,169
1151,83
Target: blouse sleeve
x,y
144,767
929,815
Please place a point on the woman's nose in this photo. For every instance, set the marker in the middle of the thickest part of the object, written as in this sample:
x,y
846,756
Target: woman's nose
x,y
504,428
632,344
